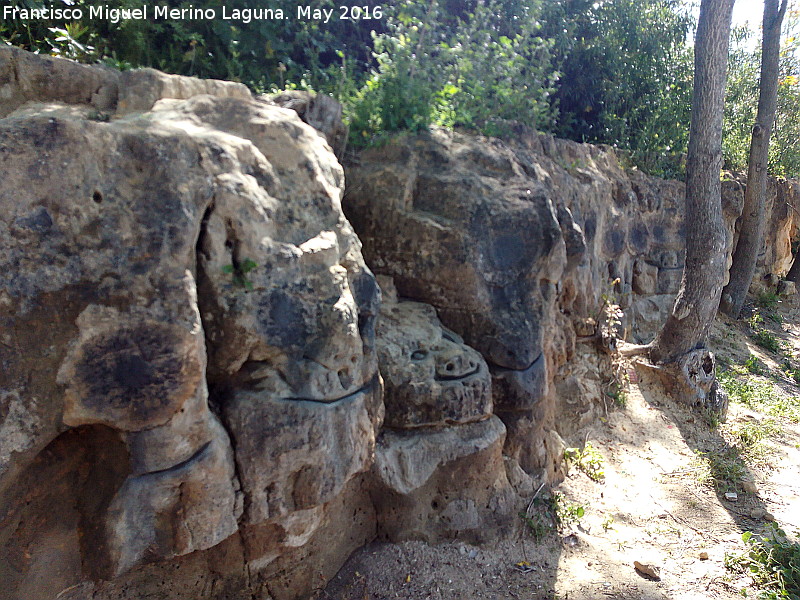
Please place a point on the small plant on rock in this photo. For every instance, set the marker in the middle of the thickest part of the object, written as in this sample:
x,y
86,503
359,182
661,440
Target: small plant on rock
x,y
239,272
589,460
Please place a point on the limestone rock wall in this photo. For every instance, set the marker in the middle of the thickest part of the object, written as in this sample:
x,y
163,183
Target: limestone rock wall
x,y
188,342
204,389
524,248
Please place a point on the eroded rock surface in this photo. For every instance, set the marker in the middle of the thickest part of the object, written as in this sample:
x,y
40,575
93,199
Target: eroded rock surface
x,y
180,264
435,484
461,226
431,377
438,469
190,396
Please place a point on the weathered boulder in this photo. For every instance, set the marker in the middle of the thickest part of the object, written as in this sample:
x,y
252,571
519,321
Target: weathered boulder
x,y
26,77
441,483
460,224
431,377
155,265
322,112
296,454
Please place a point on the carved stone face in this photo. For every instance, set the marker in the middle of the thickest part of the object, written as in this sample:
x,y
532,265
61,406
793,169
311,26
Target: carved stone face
x,y
289,310
431,376
203,243
463,227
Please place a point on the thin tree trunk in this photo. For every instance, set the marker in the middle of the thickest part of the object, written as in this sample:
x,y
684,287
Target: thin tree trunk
x,y
751,230
703,276
794,272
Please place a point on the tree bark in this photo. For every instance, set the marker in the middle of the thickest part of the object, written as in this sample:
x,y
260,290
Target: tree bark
x,y
751,229
698,299
794,272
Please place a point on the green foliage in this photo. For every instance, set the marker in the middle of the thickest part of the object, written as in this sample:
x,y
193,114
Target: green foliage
x,y
467,71
552,513
589,460
539,525
567,514
753,365
239,271
773,562
501,77
484,65
759,395
768,300
762,336
627,76
265,54
608,521
617,72
723,469
741,100
767,340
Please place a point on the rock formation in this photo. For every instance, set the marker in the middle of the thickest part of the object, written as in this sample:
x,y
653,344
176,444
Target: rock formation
x,y
439,463
200,393
189,240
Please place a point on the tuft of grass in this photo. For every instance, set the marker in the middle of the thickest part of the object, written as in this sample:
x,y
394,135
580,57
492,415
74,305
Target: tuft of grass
x,y
754,366
589,460
751,435
773,562
618,394
768,300
759,395
763,336
724,469
767,340
608,521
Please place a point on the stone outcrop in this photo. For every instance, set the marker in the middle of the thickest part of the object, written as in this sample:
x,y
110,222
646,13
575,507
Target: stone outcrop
x,y
463,227
201,391
188,329
439,460
322,112
524,248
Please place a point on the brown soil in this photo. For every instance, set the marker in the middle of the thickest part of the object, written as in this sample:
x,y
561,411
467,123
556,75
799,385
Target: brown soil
x,y
653,507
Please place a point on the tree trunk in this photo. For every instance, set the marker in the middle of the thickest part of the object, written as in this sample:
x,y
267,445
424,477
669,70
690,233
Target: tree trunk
x,y
698,299
794,272
751,230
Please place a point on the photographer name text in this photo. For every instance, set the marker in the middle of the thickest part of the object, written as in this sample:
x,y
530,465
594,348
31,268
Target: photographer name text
x,y
191,13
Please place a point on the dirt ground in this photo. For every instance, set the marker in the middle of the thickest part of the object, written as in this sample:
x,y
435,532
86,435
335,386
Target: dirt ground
x,y
656,505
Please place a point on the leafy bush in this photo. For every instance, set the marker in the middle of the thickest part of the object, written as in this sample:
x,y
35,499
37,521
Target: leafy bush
x,y
627,76
466,71
265,54
773,561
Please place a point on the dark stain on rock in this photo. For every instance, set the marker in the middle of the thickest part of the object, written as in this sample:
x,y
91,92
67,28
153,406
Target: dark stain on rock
x,y
39,221
613,242
282,320
638,236
134,375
